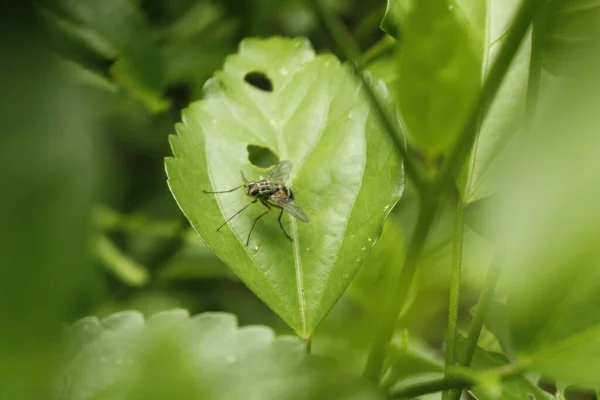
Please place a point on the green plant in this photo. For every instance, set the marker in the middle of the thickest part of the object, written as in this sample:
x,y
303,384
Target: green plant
x,y
449,168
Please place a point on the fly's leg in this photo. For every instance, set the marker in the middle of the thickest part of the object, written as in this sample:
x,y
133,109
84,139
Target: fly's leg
x,y
281,225
257,218
224,191
234,215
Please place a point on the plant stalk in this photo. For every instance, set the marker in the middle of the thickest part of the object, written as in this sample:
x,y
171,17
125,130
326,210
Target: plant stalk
x,y
457,381
483,305
422,388
535,69
455,279
385,44
481,309
396,302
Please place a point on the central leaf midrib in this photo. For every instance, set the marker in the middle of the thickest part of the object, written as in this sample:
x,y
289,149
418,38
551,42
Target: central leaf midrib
x,y
283,153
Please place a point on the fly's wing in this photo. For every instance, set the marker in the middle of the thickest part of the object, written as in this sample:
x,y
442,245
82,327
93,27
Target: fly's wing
x,y
288,205
281,172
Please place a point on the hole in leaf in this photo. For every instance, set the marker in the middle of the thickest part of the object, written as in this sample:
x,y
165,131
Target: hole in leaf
x,y
262,157
259,80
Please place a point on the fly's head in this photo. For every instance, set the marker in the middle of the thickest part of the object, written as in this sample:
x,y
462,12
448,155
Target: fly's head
x,y
251,189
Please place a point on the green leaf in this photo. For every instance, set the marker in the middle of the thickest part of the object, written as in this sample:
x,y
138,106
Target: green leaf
x,y
345,170
116,29
506,113
486,23
550,231
395,12
205,357
383,68
379,273
516,388
438,75
193,261
571,33
411,358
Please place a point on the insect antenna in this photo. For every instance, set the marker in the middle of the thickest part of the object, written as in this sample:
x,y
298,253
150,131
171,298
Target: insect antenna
x,y
224,191
237,213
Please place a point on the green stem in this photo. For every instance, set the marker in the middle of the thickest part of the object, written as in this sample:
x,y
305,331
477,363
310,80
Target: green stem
x,y
455,278
481,309
385,44
119,263
396,302
308,345
369,22
535,68
436,385
350,50
457,381
523,18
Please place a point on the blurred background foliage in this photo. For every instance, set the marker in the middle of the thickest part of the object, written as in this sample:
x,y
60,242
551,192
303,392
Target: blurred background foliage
x,y
129,67
90,227
92,91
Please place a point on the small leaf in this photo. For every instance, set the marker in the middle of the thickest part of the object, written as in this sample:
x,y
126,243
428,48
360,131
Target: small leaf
x,y
346,174
205,357
438,75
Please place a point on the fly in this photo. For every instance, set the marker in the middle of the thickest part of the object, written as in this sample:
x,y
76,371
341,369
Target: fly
x,y
270,192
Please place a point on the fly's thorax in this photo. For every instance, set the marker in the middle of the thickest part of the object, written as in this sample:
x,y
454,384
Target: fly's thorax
x,y
263,189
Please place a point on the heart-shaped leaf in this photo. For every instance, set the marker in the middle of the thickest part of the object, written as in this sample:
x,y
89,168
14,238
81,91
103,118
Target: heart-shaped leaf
x,y
173,356
276,93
